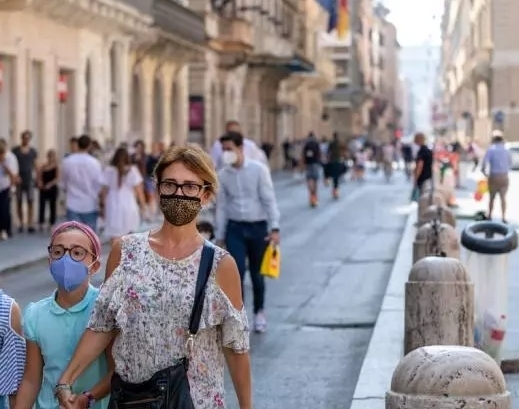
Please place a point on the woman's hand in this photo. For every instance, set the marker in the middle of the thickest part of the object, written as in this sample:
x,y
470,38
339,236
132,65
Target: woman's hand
x,y
66,399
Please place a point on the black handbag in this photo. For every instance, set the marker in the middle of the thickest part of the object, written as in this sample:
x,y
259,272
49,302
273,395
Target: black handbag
x,y
168,388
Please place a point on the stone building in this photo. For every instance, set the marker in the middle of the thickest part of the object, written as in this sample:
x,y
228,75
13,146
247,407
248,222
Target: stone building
x,y
363,102
264,68
480,66
165,70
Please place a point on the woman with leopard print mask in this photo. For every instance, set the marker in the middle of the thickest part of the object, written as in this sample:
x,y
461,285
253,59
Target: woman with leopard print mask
x,y
146,306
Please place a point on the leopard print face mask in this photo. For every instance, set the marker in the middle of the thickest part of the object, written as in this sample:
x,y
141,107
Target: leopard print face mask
x,y
180,210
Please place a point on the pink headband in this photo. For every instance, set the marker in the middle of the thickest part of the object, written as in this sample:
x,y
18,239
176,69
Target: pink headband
x,y
94,239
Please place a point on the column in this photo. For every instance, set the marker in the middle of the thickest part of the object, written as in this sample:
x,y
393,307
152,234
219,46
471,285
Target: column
x,y
125,84
21,74
50,120
183,105
148,77
167,120
252,114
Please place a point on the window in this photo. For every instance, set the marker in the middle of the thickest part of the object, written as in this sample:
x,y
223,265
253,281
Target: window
x,y
342,68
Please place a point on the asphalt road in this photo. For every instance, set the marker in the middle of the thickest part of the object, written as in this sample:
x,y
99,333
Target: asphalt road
x,y
336,261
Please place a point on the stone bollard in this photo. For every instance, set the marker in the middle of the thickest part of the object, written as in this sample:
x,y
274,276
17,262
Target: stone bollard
x,y
439,304
432,212
448,377
424,243
426,200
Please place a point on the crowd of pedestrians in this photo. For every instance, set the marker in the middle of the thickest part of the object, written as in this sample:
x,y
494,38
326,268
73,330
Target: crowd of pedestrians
x,y
171,310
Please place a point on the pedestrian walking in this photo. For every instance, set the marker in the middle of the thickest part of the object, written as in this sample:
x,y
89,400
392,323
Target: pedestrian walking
x,y
423,170
247,216
12,350
152,160
27,157
335,163
8,179
311,161
54,325
158,271
122,196
48,180
82,179
496,165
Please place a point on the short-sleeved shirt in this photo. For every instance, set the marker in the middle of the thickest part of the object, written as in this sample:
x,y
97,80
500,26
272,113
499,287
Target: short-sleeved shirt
x,y
426,156
57,332
149,299
26,163
12,350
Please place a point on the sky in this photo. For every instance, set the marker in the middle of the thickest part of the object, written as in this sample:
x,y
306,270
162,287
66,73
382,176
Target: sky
x,y
414,20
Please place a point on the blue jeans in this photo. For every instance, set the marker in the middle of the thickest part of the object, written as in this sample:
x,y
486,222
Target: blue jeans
x,y
246,240
90,219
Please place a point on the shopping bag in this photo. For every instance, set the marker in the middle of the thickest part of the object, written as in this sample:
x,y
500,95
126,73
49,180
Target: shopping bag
x,y
271,263
481,190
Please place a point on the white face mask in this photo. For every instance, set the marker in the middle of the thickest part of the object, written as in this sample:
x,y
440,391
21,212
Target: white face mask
x,y
229,157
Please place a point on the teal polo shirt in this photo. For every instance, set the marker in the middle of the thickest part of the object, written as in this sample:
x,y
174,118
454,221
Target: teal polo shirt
x,y
57,332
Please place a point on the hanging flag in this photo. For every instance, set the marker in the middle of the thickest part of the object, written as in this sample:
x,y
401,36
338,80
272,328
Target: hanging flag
x,y
343,19
330,6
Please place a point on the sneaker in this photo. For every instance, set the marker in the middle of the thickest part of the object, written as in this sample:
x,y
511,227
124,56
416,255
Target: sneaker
x,y
260,322
313,201
335,193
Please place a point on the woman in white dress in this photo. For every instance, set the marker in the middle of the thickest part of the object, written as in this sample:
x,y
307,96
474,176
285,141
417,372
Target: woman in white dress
x,y
121,195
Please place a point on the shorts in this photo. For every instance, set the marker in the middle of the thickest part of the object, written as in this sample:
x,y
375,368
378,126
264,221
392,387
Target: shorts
x,y
27,190
313,171
498,184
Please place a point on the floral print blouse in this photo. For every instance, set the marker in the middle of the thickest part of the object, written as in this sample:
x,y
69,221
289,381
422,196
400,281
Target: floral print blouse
x,y
149,300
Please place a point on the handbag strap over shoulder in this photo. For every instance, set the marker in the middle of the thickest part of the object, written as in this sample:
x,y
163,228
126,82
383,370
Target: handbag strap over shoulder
x,y
204,271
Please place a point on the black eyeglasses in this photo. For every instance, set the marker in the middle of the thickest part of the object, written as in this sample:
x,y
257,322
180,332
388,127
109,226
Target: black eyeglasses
x,y
168,187
77,253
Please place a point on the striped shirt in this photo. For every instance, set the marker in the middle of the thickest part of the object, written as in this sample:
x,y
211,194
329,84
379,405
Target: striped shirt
x,y
12,350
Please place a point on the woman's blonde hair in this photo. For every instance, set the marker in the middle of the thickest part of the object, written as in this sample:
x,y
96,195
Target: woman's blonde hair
x,y
193,158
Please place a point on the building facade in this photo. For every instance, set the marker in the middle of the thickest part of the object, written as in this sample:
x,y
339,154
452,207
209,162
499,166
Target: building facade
x,y
364,101
161,70
480,66
263,67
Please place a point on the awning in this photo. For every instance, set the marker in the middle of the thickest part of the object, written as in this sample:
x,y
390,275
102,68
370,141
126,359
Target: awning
x,y
290,65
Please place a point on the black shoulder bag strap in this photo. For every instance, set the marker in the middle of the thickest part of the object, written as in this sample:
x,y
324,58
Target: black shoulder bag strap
x,y
204,271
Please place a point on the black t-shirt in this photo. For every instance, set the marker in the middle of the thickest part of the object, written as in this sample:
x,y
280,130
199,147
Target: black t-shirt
x,y
312,152
426,156
26,162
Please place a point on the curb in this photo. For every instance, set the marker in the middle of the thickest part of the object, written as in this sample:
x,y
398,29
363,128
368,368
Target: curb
x,y
386,347
40,258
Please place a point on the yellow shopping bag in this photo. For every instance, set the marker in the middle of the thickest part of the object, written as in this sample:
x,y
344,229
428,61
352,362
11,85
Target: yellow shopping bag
x,y
270,266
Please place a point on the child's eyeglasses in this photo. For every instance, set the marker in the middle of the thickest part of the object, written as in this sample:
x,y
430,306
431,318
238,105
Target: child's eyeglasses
x,y
77,253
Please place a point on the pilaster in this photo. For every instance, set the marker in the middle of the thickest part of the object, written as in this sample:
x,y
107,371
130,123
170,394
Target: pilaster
x,y
21,89
125,84
148,77
168,73
182,129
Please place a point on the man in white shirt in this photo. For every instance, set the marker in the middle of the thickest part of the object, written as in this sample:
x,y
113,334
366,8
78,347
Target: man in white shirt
x,y
82,180
8,177
250,149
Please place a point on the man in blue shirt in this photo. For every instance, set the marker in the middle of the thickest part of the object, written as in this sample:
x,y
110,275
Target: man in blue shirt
x,y
498,162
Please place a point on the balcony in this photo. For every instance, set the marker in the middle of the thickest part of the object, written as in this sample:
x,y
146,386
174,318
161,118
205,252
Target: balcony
x,y
179,23
478,65
234,36
104,16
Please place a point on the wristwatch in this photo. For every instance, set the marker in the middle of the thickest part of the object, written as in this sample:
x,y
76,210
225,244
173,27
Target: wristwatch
x,y
91,399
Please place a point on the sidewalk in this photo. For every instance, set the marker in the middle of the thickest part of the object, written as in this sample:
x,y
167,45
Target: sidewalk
x,y
386,346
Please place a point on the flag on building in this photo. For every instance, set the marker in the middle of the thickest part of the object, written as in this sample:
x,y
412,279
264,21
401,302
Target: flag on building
x,y
343,19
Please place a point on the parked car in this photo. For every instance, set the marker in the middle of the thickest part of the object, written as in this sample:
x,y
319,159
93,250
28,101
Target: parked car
x,y
514,152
